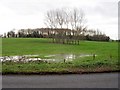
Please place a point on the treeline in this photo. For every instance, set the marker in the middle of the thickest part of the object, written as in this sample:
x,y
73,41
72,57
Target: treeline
x,y
59,35
23,33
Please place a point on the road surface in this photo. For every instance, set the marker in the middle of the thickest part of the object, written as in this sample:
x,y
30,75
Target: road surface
x,y
100,80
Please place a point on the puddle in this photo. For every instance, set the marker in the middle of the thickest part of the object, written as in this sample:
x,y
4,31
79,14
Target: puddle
x,y
85,55
50,56
47,58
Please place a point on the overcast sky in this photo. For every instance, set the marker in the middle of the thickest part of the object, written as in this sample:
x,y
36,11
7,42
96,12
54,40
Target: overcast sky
x,y
21,14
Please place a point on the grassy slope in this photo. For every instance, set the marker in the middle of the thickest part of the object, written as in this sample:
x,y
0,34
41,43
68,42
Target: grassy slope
x,y
19,46
22,46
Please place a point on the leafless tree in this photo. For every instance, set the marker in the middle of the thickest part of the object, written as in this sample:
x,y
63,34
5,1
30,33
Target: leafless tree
x,y
66,16
77,18
50,19
60,17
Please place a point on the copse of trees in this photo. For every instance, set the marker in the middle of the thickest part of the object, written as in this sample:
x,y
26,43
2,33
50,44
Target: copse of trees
x,y
73,19
65,18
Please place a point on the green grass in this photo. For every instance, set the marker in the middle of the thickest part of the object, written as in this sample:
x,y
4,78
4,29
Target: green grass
x,y
22,46
25,46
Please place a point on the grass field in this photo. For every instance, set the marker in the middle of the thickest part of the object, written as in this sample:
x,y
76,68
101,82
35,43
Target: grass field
x,y
106,59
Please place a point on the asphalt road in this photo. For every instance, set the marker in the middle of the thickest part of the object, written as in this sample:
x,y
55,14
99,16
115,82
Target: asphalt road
x,y
101,80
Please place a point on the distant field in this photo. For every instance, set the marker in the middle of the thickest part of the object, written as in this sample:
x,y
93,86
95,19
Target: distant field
x,y
106,59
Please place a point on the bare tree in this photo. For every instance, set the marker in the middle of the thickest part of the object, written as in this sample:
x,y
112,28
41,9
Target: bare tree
x,y
50,19
66,17
60,17
77,18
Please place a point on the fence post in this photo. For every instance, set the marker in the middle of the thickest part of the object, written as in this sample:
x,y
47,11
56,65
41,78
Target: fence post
x,y
93,56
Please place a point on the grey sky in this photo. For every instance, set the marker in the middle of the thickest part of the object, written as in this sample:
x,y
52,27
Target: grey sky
x,y
101,14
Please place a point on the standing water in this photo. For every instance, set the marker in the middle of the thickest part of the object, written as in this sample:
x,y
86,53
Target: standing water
x,y
47,58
